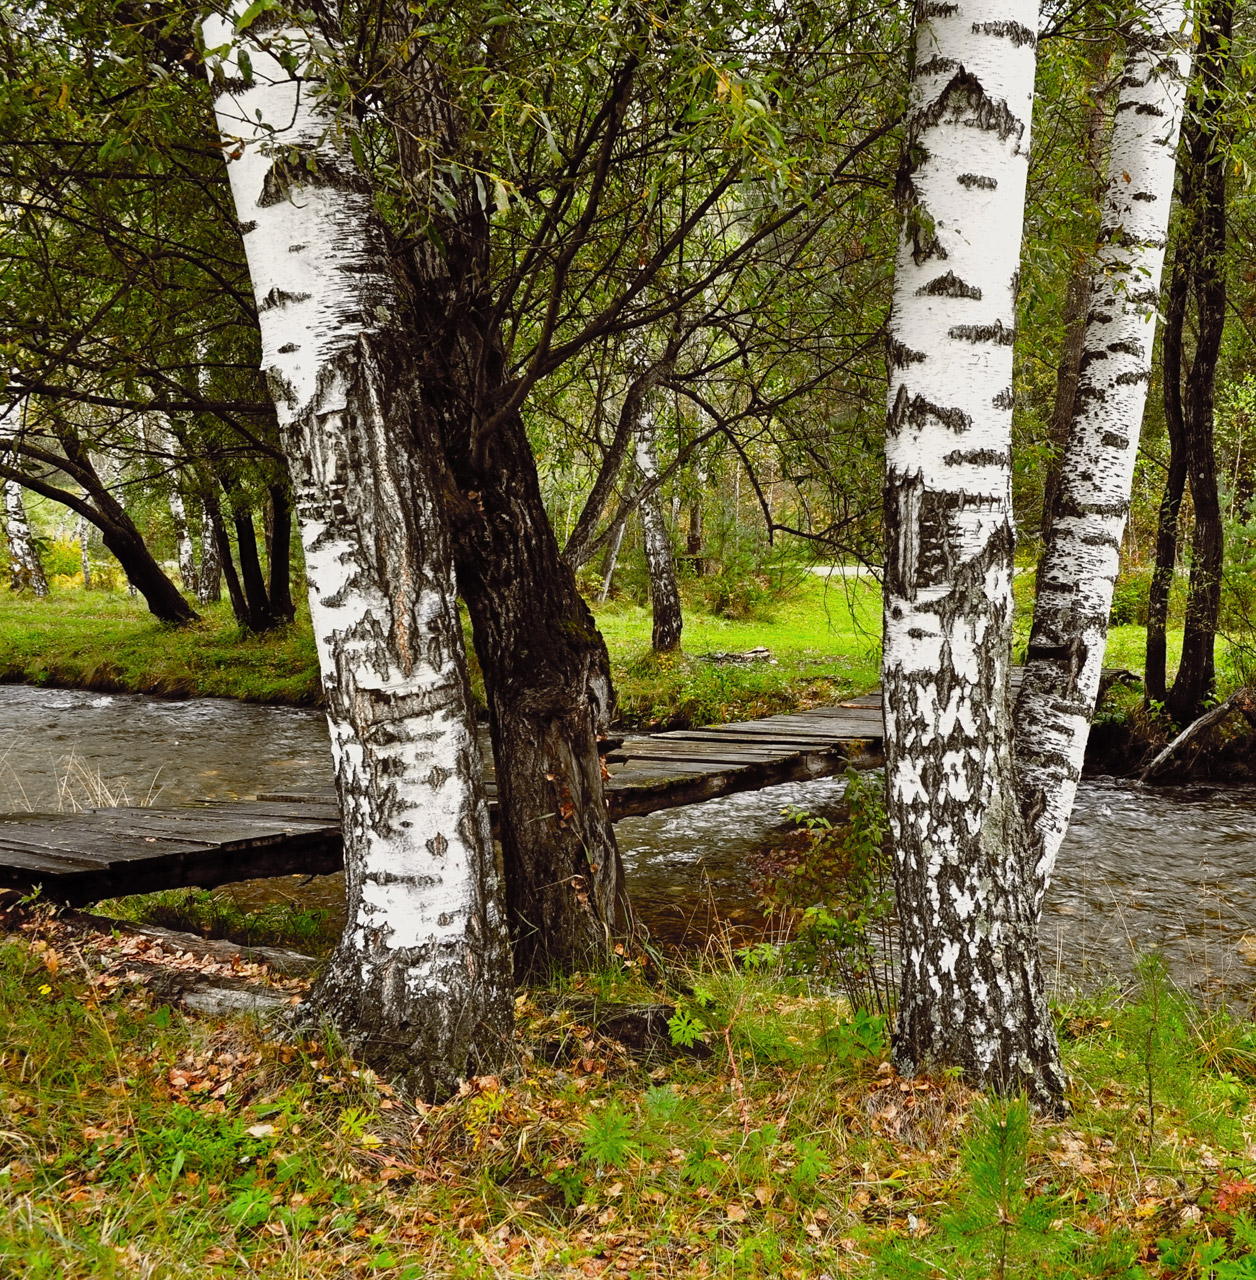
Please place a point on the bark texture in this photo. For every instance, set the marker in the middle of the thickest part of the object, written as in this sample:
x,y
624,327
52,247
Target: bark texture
x,y
420,982
1079,568
972,993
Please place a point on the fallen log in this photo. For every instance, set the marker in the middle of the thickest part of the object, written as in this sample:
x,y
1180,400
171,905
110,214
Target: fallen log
x,y
1240,700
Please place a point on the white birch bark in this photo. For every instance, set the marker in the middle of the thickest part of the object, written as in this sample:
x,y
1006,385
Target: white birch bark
x,y
186,548
26,571
1078,570
664,593
420,983
971,992
83,557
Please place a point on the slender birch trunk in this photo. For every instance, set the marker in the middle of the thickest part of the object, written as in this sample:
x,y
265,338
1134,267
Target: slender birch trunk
x,y
972,991
420,983
209,579
1079,568
186,548
611,559
664,593
83,557
26,570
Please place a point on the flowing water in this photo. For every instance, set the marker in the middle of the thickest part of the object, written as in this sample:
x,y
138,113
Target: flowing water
x,y
1171,868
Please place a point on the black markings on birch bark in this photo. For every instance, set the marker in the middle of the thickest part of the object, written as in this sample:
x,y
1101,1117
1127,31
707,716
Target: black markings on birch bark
x,y
1013,31
997,333
976,181
915,410
948,286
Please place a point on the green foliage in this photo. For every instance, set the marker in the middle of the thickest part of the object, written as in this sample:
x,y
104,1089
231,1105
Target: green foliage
x,y
838,881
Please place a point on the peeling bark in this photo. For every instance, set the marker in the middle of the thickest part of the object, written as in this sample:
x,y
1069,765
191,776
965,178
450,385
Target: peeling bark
x,y
420,982
1079,568
972,992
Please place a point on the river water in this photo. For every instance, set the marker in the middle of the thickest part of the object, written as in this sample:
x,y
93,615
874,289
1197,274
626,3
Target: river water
x,y
1167,868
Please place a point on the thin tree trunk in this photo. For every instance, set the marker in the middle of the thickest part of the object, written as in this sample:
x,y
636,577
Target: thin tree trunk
x,y
26,570
1155,674
420,982
1078,570
226,561
1206,154
209,580
664,593
257,602
279,587
611,559
187,551
972,990
83,558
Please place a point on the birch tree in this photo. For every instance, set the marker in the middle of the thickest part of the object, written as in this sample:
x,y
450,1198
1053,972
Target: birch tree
x,y
420,983
1078,570
972,993
26,570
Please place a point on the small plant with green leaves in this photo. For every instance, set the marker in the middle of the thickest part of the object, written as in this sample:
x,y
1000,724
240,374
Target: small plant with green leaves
x,y
839,886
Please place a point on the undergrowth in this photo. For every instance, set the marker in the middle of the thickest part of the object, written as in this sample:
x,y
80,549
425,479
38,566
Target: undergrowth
x,y
138,1139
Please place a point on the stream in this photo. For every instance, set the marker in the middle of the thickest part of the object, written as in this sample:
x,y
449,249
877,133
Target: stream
x,y
1167,868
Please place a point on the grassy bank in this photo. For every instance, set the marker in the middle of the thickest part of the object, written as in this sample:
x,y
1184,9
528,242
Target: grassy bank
x,y
823,642
105,640
140,1139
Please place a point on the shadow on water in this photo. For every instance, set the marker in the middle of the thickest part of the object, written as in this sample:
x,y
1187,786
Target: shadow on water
x,y
1172,869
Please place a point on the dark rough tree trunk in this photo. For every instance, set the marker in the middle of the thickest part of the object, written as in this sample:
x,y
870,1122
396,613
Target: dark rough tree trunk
x,y
1205,153
256,601
419,984
546,668
226,561
279,586
1155,673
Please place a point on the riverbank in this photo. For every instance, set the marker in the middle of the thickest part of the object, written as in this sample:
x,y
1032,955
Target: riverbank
x,y
144,1138
821,642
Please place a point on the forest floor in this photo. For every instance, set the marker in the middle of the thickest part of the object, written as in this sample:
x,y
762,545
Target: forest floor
x,y
139,1138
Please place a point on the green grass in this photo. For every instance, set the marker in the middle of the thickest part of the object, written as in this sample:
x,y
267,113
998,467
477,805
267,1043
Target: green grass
x,y
141,1140
824,637
105,640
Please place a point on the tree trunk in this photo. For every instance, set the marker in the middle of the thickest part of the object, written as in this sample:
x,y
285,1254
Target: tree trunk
x,y
1079,568
209,580
419,985
611,559
187,552
226,561
26,570
1155,675
280,585
664,593
972,991
83,559
546,668
1206,155
256,601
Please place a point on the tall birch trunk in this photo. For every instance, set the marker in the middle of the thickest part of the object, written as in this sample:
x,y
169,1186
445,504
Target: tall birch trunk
x,y
611,559
186,548
664,593
420,982
972,991
26,570
209,578
1079,568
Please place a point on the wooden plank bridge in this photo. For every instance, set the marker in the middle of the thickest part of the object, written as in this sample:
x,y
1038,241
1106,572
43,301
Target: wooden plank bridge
x,y
102,853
